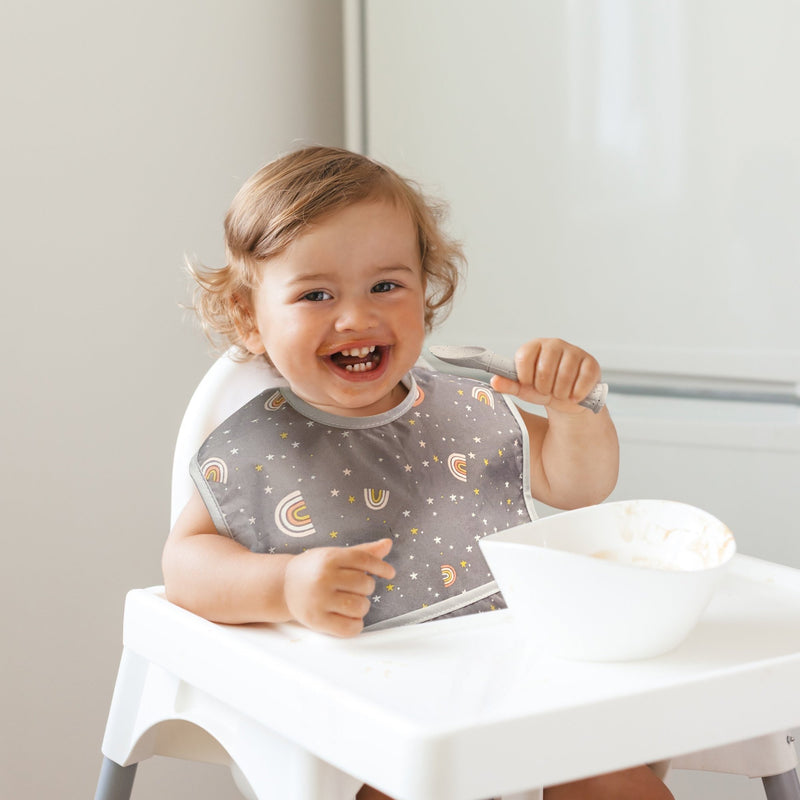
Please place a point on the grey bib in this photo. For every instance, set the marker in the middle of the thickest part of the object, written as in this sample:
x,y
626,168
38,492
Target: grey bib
x,y
435,474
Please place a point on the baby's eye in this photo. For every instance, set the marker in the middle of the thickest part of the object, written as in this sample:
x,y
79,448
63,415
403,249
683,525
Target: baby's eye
x,y
384,286
316,296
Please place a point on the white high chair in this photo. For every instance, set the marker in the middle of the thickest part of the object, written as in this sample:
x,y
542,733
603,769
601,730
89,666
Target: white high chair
x,y
173,696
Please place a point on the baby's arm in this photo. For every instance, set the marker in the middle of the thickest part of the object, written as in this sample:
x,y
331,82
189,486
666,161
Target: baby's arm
x,y
325,588
574,453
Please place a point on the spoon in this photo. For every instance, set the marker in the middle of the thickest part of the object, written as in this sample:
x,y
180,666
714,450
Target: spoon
x,y
485,359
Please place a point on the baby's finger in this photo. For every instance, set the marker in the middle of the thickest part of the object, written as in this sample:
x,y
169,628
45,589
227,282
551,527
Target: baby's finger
x,y
379,548
568,371
355,581
340,625
350,605
504,385
369,558
588,376
547,366
525,361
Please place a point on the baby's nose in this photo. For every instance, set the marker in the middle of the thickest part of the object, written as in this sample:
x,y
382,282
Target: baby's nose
x,y
356,316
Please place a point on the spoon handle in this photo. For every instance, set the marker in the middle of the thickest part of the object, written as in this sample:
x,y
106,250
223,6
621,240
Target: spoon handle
x,y
505,368
500,365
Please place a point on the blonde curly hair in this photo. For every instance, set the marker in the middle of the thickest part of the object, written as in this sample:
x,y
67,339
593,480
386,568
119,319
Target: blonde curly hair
x,y
275,206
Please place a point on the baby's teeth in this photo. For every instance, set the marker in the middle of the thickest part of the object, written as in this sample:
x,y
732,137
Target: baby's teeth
x,y
359,352
359,367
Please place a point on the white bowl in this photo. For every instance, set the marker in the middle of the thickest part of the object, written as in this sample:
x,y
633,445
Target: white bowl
x,y
611,582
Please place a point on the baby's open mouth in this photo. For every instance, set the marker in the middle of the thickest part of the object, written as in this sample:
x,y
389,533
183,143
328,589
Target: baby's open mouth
x,y
358,359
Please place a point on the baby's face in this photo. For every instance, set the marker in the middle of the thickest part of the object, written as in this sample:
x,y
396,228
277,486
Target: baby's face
x,y
340,312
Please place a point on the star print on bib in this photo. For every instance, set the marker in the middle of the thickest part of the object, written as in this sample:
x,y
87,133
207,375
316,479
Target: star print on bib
x,y
435,474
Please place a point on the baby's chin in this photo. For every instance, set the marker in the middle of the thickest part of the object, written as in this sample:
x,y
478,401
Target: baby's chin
x,y
360,403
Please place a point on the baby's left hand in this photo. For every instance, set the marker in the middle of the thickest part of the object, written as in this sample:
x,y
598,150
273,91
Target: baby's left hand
x,y
552,373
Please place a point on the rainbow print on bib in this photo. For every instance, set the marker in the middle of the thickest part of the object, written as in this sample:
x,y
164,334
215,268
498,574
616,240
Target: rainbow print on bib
x,y
292,516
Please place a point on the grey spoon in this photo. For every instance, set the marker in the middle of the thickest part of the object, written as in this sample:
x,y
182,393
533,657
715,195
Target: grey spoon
x,y
482,358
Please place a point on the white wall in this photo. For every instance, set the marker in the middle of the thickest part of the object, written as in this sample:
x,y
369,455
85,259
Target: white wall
x,y
126,130
625,175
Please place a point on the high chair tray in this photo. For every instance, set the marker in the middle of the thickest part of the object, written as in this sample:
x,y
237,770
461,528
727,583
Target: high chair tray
x,y
466,708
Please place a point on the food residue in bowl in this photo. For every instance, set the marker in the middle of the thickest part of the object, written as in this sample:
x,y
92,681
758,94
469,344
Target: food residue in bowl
x,y
684,551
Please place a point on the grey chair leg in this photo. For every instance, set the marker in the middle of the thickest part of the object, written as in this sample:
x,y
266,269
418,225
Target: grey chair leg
x,y
785,786
115,782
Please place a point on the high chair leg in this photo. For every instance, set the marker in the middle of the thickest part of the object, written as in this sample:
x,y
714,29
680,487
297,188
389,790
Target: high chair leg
x,y
785,786
115,782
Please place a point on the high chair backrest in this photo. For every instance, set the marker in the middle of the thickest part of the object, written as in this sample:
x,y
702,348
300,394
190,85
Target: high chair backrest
x,y
226,387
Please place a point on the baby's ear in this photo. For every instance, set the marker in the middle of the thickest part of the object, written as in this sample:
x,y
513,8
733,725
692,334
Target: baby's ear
x,y
246,327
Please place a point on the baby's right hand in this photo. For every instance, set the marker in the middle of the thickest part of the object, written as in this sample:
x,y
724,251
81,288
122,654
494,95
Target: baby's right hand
x,y
327,588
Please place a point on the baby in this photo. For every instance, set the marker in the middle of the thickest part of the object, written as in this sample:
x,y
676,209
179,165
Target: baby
x,y
353,493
